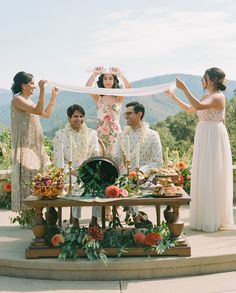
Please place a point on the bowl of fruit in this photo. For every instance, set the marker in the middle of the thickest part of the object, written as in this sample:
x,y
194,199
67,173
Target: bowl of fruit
x,y
48,184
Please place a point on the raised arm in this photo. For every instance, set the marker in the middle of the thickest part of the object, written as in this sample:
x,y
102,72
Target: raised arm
x,y
48,111
212,100
25,105
97,71
184,106
117,71
125,81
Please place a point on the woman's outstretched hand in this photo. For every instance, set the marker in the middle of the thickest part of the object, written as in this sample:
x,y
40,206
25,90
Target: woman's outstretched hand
x,y
98,70
180,84
55,91
168,93
41,83
115,70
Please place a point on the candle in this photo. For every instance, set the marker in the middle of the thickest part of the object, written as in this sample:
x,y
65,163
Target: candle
x,y
61,158
70,149
127,148
137,155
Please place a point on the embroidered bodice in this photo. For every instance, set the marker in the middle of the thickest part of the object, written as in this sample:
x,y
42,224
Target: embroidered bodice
x,y
211,114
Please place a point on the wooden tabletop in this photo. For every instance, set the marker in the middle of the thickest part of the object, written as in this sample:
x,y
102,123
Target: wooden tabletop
x,y
68,201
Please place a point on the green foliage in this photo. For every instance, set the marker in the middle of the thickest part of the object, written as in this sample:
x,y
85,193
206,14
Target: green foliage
x,y
5,147
94,241
48,144
231,125
5,200
93,180
177,131
25,218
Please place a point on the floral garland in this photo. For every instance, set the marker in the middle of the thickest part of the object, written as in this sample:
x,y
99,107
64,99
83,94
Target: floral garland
x,y
95,242
79,146
141,133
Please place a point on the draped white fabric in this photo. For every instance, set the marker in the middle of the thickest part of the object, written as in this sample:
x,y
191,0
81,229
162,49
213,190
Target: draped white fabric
x,y
142,91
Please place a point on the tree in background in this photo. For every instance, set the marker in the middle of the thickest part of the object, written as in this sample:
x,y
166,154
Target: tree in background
x,y
231,124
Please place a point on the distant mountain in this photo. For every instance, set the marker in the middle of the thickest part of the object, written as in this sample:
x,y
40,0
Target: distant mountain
x,y
158,107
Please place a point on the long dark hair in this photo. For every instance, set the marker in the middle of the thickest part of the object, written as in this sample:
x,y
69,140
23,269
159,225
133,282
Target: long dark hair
x,y
19,79
217,76
115,84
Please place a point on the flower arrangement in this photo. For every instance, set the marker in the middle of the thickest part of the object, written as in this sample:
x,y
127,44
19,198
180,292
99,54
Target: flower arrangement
x,y
94,241
114,191
95,176
49,184
181,165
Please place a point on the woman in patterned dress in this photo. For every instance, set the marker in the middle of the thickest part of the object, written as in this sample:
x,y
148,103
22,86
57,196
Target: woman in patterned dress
x,y
28,152
108,109
211,207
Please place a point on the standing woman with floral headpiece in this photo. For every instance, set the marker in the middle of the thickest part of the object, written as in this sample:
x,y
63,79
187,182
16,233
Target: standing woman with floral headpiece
x,y
108,107
28,153
211,207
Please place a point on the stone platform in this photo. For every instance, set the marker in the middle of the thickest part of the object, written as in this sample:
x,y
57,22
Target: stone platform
x,y
211,253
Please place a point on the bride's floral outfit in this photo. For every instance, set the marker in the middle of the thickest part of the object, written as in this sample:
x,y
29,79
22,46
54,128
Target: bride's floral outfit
x,y
108,125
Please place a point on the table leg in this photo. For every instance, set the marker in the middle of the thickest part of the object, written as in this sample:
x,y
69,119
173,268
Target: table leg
x,y
39,229
158,214
59,216
175,224
103,217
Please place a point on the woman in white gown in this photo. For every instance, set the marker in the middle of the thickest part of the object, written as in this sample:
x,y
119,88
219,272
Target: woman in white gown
x,y
211,207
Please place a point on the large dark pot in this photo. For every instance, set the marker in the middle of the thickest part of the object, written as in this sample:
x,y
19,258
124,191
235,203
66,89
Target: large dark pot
x,y
102,171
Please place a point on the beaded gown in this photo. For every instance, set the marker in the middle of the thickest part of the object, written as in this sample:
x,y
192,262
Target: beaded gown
x,y
28,154
211,206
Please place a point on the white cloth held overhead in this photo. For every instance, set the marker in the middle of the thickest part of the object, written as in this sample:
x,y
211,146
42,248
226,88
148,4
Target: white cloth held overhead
x,y
142,91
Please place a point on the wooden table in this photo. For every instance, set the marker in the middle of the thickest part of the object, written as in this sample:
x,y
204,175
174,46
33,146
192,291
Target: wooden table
x,y
171,214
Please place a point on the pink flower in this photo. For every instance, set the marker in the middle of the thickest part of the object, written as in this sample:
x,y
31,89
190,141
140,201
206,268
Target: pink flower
x,y
180,180
107,118
116,127
152,238
132,174
57,239
112,191
7,187
104,129
123,192
182,165
139,238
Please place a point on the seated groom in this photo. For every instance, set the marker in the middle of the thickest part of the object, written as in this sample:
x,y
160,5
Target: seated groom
x,y
84,144
150,148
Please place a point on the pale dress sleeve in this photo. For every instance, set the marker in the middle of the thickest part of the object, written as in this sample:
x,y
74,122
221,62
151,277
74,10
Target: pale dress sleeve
x,y
57,142
94,145
60,139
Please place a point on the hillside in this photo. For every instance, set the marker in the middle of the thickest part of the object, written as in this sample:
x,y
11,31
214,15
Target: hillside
x,y
158,107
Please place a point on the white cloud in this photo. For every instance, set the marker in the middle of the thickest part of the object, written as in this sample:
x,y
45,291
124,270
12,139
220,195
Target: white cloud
x,y
159,41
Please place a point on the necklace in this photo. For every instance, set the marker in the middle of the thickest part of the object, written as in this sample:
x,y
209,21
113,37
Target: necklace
x,y
79,141
140,133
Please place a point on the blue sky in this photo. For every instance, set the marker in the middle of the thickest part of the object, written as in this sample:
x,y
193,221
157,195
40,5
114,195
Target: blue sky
x,y
61,40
